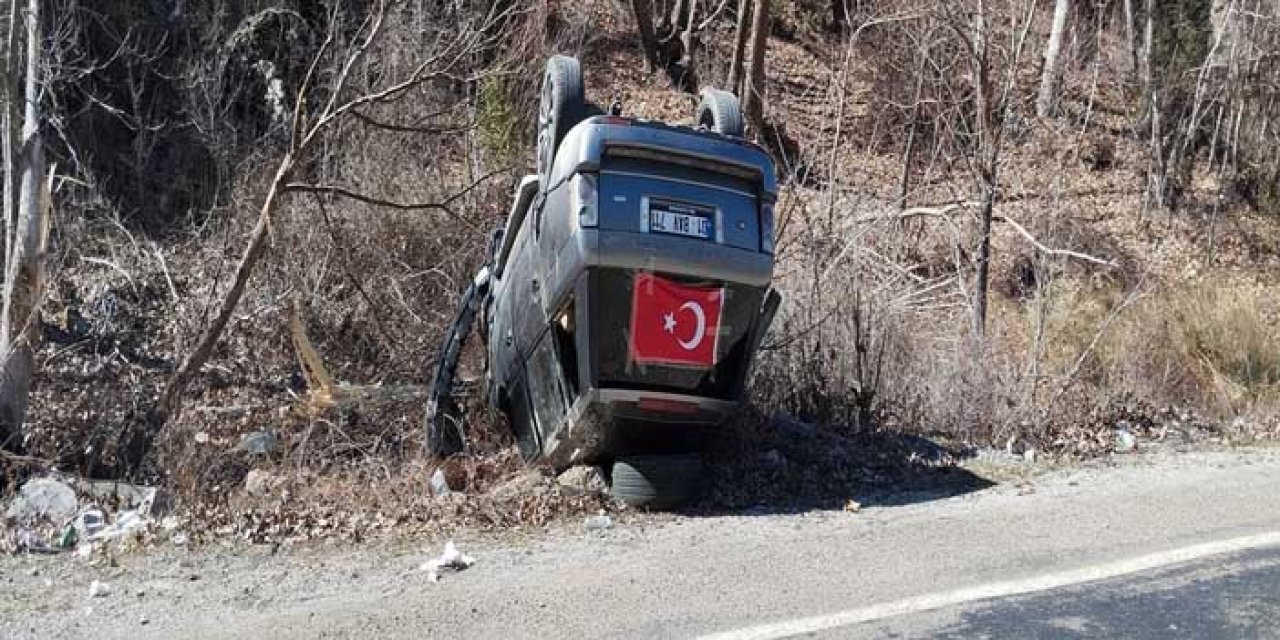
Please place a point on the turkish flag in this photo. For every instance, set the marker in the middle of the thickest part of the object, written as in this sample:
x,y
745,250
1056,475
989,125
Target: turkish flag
x,y
674,324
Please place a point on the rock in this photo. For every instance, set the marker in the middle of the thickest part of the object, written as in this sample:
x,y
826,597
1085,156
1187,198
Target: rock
x,y
599,522
1125,441
528,483
99,589
583,479
43,499
259,483
440,484
260,443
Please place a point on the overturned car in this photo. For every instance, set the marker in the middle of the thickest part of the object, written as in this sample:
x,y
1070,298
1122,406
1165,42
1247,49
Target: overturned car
x,y
627,294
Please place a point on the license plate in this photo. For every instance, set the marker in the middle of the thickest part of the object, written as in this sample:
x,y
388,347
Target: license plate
x,y
682,219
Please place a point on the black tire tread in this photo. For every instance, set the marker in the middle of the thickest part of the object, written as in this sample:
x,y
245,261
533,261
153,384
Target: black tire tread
x,y
564,75
720,112
657,481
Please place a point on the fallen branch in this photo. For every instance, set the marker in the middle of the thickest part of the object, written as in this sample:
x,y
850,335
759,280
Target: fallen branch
x,y
1049,250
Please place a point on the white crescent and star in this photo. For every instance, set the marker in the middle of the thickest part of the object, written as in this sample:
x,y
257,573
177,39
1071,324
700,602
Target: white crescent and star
x,y
669,325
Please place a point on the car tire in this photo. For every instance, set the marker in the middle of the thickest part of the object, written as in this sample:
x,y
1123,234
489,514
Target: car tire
x,y
562,105
720,112
657,481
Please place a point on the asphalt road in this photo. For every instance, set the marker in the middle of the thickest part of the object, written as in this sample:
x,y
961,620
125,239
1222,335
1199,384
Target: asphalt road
x,y
1167,545
1233,596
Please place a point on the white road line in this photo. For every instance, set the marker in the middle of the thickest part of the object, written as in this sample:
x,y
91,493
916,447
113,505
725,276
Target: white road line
x,y
788,628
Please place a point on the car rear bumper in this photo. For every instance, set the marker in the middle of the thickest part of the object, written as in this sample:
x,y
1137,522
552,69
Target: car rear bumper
x,y
605,423
671,254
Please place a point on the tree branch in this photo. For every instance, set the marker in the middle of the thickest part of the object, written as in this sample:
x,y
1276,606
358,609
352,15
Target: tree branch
x,y
403,128
442,205
1049,250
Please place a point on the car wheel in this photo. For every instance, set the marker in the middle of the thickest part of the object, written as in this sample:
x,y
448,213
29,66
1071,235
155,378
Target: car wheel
x,y
561,107
720,112
659,481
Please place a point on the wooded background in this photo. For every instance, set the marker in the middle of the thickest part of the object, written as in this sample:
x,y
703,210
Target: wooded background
x,y
1014,223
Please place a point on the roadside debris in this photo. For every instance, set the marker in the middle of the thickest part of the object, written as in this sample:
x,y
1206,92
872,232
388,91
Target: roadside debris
x,y
43,499
127,522
451,558
582,479
440,484
1125,441
99,589
852,506
259,443
259,483
599,522
531,482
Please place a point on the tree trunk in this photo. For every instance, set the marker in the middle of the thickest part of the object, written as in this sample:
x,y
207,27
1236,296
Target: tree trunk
x,y
643,11
9,139
1048,98
23,269
753,99
687,40
676,18
1130,39
1147,77
739,47
839,15
253,252
982,268
908,151
988,156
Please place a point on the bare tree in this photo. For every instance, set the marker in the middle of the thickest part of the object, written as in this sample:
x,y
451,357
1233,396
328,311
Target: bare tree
x,y
1130,37
643,12
839,14
306,134
1052,73
24,253
753,96
739,46
688,35
992,75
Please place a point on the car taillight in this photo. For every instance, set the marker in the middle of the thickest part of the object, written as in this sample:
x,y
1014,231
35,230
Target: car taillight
x,y
663,405
766,228
585,199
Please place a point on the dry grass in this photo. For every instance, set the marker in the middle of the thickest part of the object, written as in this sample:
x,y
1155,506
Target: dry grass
x,y
873,337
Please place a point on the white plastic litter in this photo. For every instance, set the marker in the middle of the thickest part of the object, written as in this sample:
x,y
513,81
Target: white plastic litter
x,y
127,522
450,559
99,589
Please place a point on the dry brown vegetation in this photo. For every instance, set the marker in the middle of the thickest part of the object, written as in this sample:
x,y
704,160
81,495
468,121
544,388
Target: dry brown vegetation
x,y
1108,301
